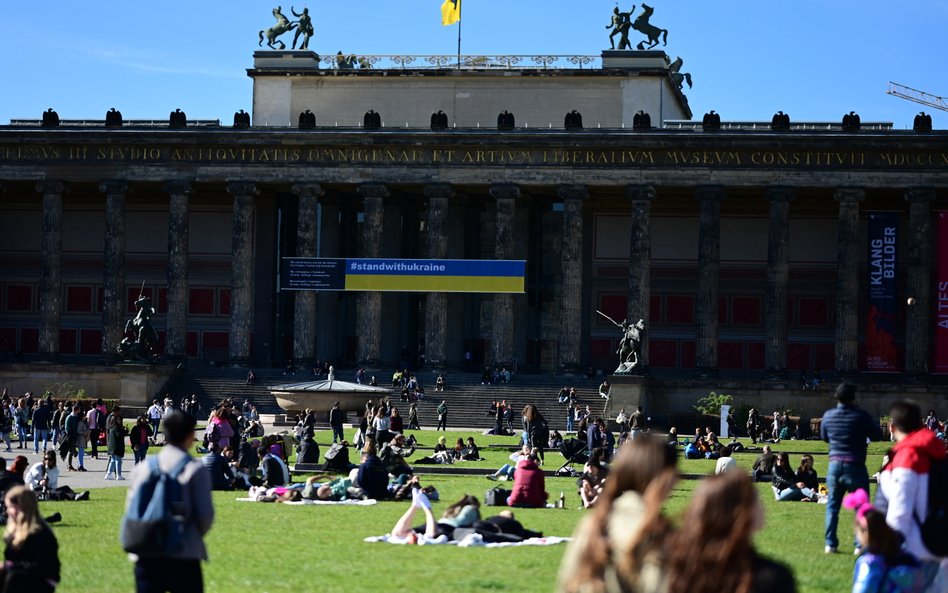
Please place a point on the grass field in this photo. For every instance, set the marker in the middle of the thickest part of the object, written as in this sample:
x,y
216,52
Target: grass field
x,y
260,548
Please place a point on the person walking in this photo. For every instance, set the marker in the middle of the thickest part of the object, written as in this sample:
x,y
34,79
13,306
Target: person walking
x,y
903,484
442,416
846,428
180,570
115,444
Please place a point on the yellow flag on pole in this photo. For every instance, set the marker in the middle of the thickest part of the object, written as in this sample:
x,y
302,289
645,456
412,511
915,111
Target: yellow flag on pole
x,y
450,12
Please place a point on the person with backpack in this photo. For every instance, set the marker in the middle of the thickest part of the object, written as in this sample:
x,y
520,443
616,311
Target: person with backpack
x,y
908,488
175,566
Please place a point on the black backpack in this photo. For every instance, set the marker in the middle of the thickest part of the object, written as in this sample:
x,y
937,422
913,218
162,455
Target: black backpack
x,y
934,525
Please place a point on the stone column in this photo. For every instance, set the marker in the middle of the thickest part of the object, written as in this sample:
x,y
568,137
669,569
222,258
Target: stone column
x,y
640,256
113,276
847,281
918,328
51,288
304,313
326,310
778,279
709,265
241,272
571,297
177,317
436,305
370,307
502,321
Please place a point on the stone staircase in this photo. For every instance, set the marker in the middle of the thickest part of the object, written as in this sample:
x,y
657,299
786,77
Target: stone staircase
x,y
468,401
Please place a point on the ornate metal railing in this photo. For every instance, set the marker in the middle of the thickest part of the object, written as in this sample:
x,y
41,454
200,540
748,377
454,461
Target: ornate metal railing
x,y
469,62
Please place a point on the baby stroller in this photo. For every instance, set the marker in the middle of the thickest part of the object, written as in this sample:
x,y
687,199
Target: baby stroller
x,y
574,451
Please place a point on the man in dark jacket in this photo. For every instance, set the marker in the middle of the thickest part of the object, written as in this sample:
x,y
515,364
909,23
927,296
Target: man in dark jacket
x,y
336,419
846,428
764,465
41,417
222,477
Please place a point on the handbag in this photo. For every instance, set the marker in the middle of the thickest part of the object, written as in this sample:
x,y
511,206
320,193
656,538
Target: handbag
x,y
496,497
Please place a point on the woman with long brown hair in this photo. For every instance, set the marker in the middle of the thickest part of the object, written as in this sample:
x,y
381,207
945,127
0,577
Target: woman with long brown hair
x,y
618,546
712,550
32,554
536,429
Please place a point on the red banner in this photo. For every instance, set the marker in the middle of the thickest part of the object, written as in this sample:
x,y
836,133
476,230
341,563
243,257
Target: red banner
x,y
941,297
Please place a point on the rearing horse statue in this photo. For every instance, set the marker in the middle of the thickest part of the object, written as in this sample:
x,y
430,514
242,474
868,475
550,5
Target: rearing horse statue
x,y
282,26
642,25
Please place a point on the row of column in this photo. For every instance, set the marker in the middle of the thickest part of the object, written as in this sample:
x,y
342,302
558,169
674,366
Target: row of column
x,y
113,279
438,196
778,275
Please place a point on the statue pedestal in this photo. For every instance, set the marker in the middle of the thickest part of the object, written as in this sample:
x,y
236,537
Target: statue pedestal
x,y
628,392
283,59
634,60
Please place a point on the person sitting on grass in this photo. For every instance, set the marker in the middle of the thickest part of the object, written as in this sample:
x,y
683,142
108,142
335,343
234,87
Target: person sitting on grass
x,y
273,469
506,471
371,475
43,478
725,462
619,545
806,475
764,465
393,456
592,482
309,450
713,550
883,565
786,485
470,451
529,487
31,558
222,476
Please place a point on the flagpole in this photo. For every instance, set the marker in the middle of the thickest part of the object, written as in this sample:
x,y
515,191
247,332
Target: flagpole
x,y
460,8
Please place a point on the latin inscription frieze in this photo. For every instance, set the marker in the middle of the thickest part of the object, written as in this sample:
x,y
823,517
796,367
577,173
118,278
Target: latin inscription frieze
x,y
622,158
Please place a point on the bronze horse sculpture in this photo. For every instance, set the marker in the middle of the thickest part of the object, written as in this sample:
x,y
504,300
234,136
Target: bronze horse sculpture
x,y
642,25
282,26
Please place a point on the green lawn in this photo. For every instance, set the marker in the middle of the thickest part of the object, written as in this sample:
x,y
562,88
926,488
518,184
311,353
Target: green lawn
x,y
257,547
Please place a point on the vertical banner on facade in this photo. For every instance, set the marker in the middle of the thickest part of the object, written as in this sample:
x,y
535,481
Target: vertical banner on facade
x,y
941,297
881,352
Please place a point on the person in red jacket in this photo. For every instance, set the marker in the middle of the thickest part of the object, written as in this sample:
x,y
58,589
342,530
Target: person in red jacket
x,y
903,481
529,487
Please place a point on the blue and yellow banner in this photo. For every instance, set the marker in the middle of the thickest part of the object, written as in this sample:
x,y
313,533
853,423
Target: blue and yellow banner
x,y
404,275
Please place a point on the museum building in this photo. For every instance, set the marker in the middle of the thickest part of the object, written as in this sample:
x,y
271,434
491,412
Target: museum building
x,y
753,247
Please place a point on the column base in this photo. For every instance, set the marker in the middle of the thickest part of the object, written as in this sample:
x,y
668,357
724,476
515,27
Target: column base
x,y
572,368
371,364
239,361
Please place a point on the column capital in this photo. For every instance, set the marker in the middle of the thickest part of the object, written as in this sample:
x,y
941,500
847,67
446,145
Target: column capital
x,y
640,193
374,190
920,194
51,187
710,193
849,195
308,190
505,191
113,187
178,187
438,190
242,188
778,193
572,191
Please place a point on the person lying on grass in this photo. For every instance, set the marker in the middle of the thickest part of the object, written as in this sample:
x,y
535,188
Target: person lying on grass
x,y
463,513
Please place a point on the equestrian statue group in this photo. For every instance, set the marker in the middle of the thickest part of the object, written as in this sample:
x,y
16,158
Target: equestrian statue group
x,y
303,27
622,21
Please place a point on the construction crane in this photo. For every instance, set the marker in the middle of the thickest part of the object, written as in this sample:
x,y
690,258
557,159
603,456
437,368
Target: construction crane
x,y
900,90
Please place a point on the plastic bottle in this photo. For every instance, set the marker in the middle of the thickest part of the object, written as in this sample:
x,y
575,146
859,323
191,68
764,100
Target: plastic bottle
x,y
562,502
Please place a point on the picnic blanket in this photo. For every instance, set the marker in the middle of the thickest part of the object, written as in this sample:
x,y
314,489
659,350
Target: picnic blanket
x,y
469,541
362,503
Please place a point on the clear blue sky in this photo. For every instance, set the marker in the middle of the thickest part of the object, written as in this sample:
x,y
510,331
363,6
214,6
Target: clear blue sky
x,y
814,59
